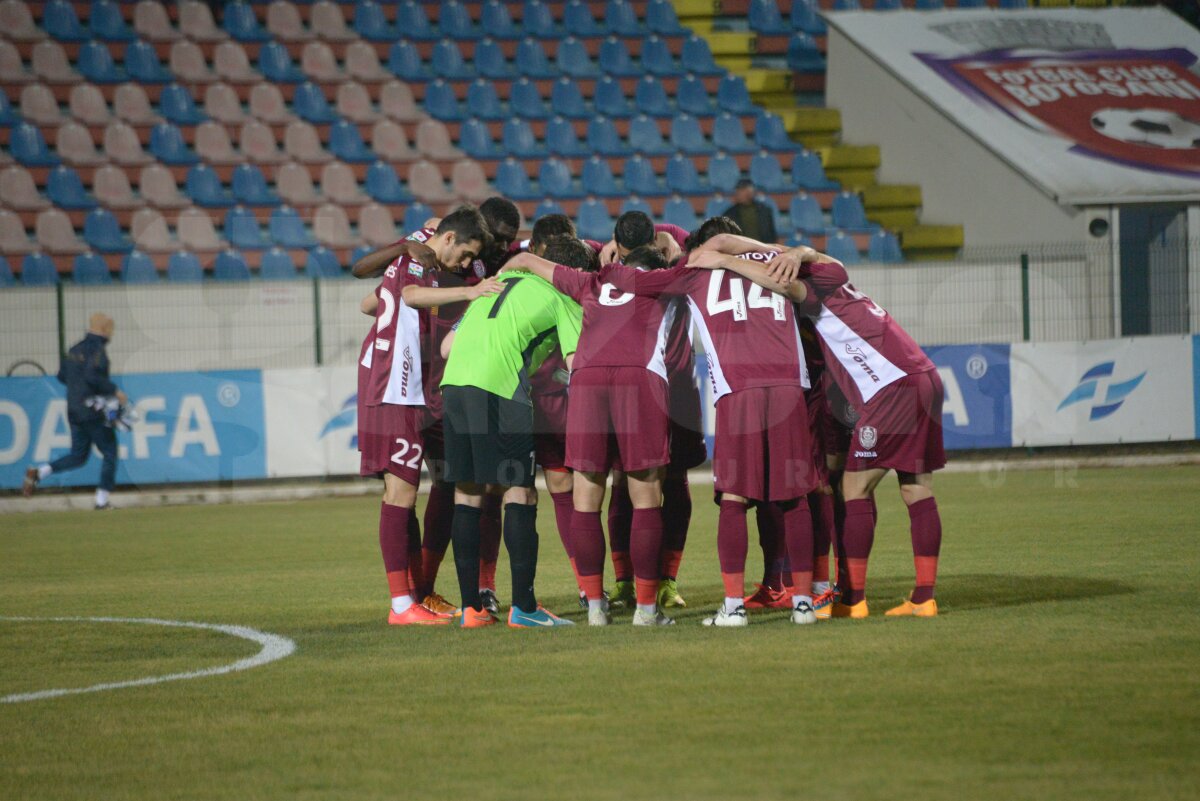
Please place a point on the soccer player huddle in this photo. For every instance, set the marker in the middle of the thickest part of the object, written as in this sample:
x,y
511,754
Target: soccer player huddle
x,y
490,356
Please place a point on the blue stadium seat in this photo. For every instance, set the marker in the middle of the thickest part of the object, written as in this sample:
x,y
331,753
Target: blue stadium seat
x,y
635,203
546,208
476,141
532,61
384,186
554,179
562,141
661,19
640,178
518,140
371,24
884,248
734,97
687,137
355,255
288,230
679,211
698,57
167,145
1014,3
138,268
971,4
771,134
842,248
250,187
805,17
573,59
276,65
650,97
645,137
203,186
716,206
578,20
621,19
597,178
610,99
803,54
322,262
61,22
65,189
483,102
242,230
448,62
143,65
656,58
729,134
602,138
490,61
102,232
512,182
310,104
929,5
809,173
537,21
615,59
454,22
848,213
805,214
37,269
90,269
230,266
797,239
887,5
415,216
525,100
767,174
6,273
566,99
682,176
847,5
404,61
441,103
95,63
177,105
8,114
183,267
106,22
693,97
240,23
594,221
277,265
723,172
765,18
498,22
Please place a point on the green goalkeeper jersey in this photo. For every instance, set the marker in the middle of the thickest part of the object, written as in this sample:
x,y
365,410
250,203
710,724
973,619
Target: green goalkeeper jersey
x,y
502,339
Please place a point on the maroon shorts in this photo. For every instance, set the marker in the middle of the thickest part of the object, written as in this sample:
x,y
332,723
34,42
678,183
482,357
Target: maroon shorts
x,y
687,435
841,417
819,420
901,428
391,441
617,415
550,430
762,449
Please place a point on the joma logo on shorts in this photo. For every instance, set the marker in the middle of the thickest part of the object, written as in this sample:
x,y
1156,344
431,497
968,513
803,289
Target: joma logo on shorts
x,y
865,454
860,359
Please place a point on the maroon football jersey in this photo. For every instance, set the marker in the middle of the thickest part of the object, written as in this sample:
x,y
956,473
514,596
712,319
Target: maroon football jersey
x,y
395,355
551,377
678,234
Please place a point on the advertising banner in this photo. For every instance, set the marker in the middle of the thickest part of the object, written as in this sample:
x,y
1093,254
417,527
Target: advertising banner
x,y
977,409
312,421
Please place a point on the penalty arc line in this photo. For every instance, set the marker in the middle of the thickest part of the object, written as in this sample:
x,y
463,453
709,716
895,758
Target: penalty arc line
x,y
274,647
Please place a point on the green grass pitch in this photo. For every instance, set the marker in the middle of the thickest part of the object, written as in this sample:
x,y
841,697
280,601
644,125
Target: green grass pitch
x,y
1065,664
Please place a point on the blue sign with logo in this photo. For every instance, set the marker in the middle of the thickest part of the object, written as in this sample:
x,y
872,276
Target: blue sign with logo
x,y
1103,403
192,427
977,409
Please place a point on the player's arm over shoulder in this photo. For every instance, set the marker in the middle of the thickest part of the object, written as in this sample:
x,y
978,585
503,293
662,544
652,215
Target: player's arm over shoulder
x,y
648,283
750,269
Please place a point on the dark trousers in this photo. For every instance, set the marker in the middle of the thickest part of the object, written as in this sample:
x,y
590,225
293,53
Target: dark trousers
x,y
83,437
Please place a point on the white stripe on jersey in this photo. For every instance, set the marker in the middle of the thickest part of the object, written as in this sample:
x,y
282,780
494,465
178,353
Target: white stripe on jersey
x,y
405,385
658,362
720,386
868,368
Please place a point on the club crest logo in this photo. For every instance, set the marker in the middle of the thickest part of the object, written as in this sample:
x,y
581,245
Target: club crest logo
x,y
1114,394
868,436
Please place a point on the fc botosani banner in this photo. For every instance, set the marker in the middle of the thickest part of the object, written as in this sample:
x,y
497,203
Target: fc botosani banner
x,y
1094,106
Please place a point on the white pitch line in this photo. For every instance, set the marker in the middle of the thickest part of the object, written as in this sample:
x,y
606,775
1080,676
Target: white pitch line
x,y
274,647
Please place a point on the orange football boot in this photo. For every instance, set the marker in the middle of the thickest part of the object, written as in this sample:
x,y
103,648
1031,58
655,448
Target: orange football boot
x,y
766,598
909,609
856,611
439,605
472,619
417,615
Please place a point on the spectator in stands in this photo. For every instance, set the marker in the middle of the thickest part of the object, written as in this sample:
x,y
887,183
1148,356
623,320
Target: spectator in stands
x,y
755,218
84,370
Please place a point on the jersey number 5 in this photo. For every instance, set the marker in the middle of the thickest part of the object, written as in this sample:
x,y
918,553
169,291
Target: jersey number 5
x,y
738,301
402,457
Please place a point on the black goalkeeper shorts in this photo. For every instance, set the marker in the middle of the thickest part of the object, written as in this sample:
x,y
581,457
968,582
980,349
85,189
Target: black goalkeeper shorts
x,y
489,439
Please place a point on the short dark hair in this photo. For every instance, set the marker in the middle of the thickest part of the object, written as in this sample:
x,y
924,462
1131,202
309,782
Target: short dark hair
x,y
549,225
633,229
467,224
744,183
648,257
500,212
708,229
570,252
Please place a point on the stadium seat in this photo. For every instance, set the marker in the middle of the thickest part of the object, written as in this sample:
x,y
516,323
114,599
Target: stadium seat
x,y
526,101
13,238
203,186
18,22
310,104
929,5
250,187
448,62
1013,4
842,248
167,145
771,134
95,63
142,64
295,185
332,228
321,262
284,23
75,146
698,57
64,188
276,65
277,265
177,105
621,18
597,178
327,21
354,103
425,181
804,214
9,115
639,177
441,103
90,269
121,145
87,105
371,24
562,141
196,18
454,21
547,207
231,63
433,141
61,22
765,19
687,137
37,269
808,172
240,23
383,184
39,106
615,60
242,230
847,5
803,54
132,104
679,211
362,63
267,104
257,143
716,206
661,19
184,268
415,216
767,174
288,230
150,234
483,102
887,5
301,143
412,22
469,182
848,213
230,266
602,138
158,188
693,97
730,135
496,20
594,221
339,185
532,61
971,4
102,232
138,268
554,179
645,137
405,61
512,182
6,274
610,99
883,247
682,176
476,141
12,68
805,17
376,226
734,97
573,59
18,190
49,63
187,63
565,99
490,61
518,140
578,20
346,144
723,172
537,21
650,97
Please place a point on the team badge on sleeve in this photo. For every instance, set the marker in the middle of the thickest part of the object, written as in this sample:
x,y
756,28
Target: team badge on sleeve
x,y
867,436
